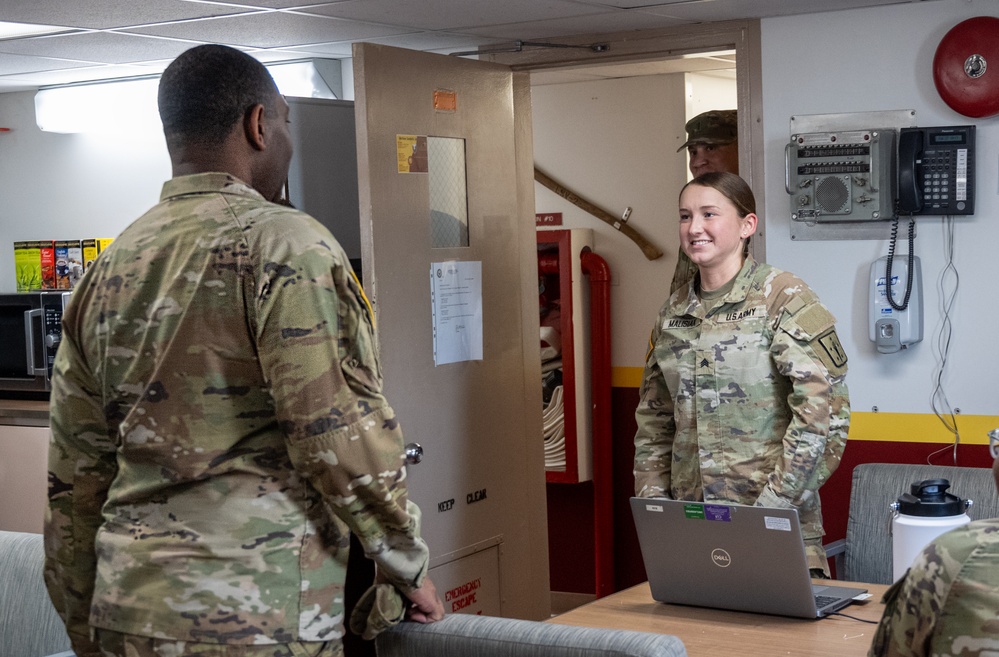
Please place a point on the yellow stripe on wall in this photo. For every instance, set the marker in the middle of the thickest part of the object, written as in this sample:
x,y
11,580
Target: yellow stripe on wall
x,y
884,427
920,428
626,377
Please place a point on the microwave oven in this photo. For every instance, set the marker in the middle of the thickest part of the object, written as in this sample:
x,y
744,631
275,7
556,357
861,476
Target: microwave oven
x,y
30,333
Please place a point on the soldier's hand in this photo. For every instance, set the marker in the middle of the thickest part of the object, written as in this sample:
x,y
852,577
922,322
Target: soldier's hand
x,y
426,606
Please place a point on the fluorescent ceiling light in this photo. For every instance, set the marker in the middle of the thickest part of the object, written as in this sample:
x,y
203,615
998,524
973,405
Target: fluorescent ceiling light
x,y
10,30
124,106
115,106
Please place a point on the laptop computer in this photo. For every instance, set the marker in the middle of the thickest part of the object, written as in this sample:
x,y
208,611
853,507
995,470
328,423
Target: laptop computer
x,y
728,556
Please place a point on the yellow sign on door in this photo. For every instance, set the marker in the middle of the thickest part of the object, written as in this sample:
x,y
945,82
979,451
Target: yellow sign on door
x,y
411,151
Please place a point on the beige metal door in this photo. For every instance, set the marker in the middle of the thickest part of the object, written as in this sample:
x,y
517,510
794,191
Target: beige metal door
x,y
446,177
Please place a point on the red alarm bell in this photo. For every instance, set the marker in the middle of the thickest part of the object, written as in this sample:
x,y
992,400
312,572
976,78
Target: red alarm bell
x,y
966,67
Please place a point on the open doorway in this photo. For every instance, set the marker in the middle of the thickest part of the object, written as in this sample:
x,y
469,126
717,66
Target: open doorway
x,y
611,134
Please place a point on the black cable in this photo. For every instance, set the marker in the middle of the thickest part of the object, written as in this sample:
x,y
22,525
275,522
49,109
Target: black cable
x,y
862,620
891,257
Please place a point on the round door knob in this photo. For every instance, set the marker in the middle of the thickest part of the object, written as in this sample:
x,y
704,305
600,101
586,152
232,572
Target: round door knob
x,y
414,453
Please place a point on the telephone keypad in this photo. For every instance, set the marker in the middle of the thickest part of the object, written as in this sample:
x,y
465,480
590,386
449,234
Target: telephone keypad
x,y
936,176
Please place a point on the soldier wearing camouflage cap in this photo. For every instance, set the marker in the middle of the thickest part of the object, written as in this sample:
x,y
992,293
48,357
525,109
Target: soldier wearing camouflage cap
x,y
743,398
712,145
948,601
713,142
218,424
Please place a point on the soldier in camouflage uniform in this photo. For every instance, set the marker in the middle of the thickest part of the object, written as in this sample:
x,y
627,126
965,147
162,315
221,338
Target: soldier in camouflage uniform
x,y
948,601
218,423
743,398
712,145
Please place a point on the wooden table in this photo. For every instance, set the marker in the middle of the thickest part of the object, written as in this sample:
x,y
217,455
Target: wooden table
x,y
713,632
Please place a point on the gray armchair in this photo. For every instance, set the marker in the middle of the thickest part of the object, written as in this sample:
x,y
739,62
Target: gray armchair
x,y
29,625
865,554
487,636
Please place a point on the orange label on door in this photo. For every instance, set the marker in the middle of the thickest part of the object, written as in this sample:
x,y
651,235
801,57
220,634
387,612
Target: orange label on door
x,y
445,100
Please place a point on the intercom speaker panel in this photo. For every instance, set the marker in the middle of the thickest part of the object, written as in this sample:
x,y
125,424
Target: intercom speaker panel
x,y
841,176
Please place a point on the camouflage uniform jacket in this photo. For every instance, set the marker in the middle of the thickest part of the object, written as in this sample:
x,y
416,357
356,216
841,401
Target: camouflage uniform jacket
x,y
744,403
948,602
218,428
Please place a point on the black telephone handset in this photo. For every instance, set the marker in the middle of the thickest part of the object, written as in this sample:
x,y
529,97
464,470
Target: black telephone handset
x,y
936,170
910,194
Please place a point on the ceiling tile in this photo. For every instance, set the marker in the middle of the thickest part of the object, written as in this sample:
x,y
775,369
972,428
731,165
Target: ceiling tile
x,y
451,14
270,30
107,14
97,47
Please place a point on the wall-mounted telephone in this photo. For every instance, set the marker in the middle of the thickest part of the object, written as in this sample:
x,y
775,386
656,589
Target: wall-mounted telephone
x,y
936,170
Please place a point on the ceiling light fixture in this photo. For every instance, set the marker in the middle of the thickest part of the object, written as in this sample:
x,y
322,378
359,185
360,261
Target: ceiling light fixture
x,y
10,30
110,106
127,105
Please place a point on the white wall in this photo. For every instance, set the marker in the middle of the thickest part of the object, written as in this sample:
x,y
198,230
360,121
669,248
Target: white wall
x,y
871,60
55,186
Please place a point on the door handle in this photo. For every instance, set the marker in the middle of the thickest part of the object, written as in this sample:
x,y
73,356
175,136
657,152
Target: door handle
x,y
31,317
414,453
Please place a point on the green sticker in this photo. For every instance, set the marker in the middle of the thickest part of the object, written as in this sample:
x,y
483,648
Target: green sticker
x,y
695,511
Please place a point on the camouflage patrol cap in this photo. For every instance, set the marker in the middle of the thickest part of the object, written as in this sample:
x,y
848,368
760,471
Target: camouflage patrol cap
x,y
713,127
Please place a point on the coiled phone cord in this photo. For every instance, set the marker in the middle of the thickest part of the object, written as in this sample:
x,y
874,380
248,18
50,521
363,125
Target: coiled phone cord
x,y
891,256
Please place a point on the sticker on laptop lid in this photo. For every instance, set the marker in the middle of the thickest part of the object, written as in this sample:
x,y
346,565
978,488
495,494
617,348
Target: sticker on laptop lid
x,y
780,524
718,512
693,511
654,507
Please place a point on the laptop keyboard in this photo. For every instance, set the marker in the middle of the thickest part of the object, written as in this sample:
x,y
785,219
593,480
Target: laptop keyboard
x,y
823,600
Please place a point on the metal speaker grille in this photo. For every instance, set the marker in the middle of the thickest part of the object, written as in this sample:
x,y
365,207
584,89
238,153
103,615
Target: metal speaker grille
x,y
832,195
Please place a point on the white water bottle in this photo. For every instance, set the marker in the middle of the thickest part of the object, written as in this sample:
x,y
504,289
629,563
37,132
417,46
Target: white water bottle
x,y
922,514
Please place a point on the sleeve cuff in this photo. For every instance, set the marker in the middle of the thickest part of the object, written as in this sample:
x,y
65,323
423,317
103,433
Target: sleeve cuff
x,y
407,558
769,498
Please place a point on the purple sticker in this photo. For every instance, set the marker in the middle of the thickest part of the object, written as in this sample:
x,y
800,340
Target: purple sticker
x,y
717,512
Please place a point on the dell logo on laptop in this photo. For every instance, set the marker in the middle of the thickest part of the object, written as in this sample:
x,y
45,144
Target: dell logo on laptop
x,y
721,558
